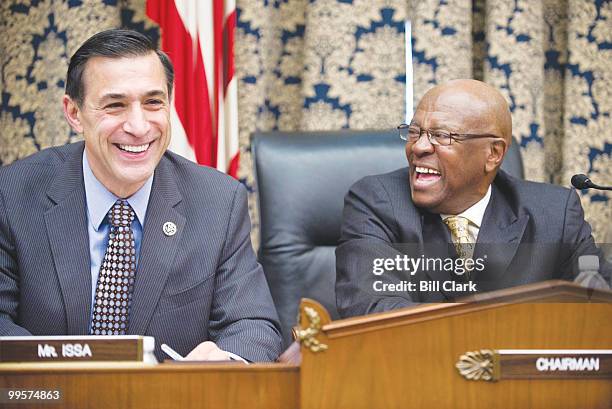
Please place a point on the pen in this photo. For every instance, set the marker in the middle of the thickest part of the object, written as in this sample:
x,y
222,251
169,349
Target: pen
x,y
235,357
172,353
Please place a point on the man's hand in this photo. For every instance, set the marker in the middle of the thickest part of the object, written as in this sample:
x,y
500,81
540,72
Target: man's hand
x,y
207,351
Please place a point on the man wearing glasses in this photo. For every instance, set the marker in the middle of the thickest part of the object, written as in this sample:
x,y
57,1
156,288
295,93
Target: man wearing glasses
x,y
452,223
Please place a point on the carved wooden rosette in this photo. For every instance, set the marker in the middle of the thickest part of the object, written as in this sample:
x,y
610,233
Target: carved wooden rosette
x,y
479,365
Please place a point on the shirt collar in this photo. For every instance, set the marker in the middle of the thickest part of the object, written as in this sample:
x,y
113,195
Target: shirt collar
x,y
100,199
476,212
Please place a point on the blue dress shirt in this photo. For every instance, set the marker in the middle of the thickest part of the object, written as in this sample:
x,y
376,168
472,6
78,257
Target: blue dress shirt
x,y
99,201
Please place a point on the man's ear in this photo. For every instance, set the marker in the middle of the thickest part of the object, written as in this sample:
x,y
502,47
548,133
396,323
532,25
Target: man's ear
x,y
497,150
72,112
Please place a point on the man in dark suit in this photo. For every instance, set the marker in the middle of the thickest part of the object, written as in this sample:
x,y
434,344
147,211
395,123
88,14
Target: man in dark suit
x,y
471,226
116,235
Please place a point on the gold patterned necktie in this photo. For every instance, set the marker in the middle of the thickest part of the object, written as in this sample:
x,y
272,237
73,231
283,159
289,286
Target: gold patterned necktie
x,y
116,279
464,244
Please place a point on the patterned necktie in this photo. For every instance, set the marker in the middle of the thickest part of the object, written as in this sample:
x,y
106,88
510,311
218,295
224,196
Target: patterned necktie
x,y
116,278
462,239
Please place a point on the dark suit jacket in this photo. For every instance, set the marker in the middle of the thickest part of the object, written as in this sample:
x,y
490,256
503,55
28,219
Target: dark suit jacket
x,y
203,283
530,232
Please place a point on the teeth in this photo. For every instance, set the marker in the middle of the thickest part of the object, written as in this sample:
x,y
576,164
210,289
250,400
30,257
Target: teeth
x,y
135,148
421,169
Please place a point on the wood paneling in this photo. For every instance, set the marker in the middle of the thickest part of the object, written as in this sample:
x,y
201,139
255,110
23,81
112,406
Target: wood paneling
x,y
406,358
131,386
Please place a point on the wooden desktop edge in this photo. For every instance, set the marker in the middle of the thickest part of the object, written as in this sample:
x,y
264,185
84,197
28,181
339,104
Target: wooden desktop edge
x,y
102,367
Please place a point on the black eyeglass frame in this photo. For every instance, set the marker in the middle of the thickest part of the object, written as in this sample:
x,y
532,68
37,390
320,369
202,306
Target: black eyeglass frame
x,y
452,136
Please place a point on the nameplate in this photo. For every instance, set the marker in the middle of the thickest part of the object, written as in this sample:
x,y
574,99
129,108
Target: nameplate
x,y
495,365
77,348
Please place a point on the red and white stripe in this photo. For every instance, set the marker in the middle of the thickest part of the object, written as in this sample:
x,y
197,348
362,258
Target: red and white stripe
x,y
198,36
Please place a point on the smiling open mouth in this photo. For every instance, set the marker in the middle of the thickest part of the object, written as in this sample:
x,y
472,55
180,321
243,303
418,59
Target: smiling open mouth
x,y
133,148
424,176
421,170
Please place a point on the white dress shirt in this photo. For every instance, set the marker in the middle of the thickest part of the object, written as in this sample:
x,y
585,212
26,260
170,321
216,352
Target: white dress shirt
x,y
474,214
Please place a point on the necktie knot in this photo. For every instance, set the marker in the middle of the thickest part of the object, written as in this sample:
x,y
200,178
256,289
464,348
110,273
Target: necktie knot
x,y
458,227
121,214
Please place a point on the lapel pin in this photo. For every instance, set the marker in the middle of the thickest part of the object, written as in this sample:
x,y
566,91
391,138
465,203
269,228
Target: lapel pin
x,y
169,229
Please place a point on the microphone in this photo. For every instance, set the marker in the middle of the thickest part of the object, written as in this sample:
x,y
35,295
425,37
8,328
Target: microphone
x,y
583,182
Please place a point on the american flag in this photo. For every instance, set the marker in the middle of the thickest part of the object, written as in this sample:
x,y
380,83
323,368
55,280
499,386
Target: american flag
x,y
198,36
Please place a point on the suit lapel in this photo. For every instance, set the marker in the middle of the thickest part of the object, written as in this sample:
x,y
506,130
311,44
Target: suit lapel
x,y
500,234
66,224
157,251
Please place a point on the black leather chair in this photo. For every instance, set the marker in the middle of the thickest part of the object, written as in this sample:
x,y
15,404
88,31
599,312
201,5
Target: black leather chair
x,y
302,178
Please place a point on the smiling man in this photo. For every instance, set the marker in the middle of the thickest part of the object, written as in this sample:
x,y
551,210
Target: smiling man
x,y
452,223
115,235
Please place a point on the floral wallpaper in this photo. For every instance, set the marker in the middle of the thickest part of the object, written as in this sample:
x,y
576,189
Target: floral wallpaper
x,y
330,64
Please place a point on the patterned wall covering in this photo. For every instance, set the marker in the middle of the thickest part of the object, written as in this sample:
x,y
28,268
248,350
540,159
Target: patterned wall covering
x,y
329,64
587,138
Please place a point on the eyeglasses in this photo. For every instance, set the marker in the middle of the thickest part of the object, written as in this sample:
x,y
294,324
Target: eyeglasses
x,y
412,134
